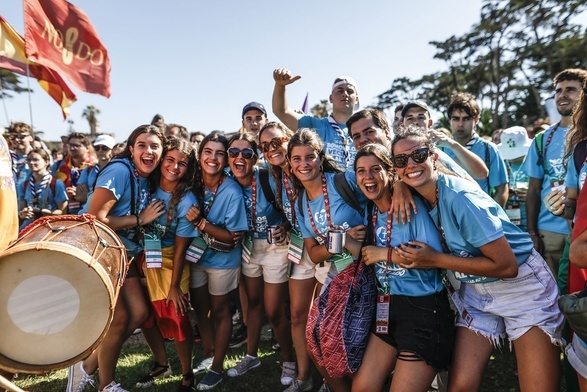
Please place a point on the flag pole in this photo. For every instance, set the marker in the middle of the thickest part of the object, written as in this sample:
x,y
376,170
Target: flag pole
x,y
28,84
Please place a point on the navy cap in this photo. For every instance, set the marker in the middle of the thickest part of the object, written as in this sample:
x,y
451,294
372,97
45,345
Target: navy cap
x,y
254,106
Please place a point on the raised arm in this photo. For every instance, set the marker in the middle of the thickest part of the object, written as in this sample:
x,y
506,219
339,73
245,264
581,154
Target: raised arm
x,y
284,113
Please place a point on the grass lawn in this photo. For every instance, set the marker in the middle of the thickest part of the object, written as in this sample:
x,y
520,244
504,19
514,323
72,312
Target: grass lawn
x,y
136,360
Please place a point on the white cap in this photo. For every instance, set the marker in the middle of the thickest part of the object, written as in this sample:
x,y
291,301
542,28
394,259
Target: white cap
x,y
104,140
514,143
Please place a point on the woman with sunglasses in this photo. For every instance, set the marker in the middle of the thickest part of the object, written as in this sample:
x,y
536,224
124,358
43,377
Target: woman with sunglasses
x,y
265,268
408,299
168,280
322,207
506,287
221,219
125,209
306,278
42,195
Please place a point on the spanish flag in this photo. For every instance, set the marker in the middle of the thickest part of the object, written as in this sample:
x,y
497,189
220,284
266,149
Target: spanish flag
x,y
13,58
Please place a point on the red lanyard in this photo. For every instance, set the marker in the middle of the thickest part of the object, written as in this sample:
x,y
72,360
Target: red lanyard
x,y
388,227
254,202
326,205
289,193
207,210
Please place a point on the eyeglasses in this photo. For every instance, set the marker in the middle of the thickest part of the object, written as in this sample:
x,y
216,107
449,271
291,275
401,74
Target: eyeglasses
x,y
102,148
418,156
247,153
276,142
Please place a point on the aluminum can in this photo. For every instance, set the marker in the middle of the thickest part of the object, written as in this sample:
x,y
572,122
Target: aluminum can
x,y
335,240
271,237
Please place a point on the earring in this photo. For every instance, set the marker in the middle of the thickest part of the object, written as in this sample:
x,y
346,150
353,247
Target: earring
x,y
434,165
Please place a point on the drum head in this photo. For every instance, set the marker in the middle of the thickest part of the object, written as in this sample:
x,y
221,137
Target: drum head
x,y
53,305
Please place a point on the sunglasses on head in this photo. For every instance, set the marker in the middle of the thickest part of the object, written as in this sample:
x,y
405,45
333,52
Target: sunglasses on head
x,y
418,156
276,142
247,153
101,147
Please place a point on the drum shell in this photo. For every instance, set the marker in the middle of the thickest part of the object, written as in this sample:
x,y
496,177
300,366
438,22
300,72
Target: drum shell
x,y
58,289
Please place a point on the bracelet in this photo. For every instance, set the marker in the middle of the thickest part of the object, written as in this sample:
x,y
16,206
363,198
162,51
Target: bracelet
x,y
389,254
202,224
533,233
138,220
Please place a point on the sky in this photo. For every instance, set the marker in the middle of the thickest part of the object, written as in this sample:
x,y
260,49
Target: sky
x,y
199,62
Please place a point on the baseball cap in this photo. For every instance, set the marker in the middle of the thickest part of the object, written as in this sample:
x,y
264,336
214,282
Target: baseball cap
x,y
104,140
514,143
414,103
254,106
345,80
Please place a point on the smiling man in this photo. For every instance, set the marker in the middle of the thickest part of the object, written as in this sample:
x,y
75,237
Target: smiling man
x,y
332,130
545,167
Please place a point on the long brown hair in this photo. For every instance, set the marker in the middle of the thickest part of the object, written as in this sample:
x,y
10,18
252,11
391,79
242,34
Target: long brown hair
x,y
578,131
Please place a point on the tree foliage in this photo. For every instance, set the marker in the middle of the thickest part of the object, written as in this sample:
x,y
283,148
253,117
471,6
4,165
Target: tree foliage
x,y
10,82
507,60
90,113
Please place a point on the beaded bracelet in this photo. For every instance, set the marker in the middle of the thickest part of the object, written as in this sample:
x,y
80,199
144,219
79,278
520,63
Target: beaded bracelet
x,y
138,221
389,254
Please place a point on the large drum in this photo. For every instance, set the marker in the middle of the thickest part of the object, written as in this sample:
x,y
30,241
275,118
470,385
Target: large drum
x,y
58,287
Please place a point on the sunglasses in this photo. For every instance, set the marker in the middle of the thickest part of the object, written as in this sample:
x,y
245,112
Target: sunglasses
x,y
102,148
247,153
276,142
418,156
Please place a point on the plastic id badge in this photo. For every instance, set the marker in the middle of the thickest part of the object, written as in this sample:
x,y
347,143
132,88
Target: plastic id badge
x,y
296,248
382,314
247,247
196,250
153,256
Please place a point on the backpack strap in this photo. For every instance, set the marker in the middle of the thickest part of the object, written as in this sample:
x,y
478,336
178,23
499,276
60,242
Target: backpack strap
x,y
540,149
266,187
580,154
347,194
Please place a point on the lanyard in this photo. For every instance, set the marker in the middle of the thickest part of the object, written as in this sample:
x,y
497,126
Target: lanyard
x,y
388,227
207,209
254,202
326,205
289,193
445,248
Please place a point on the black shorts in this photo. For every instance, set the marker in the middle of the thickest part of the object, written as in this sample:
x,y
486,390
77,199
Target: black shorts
x,y
423,326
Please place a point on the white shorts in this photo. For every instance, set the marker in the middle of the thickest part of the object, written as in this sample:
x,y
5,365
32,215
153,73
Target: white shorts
x,y
267,260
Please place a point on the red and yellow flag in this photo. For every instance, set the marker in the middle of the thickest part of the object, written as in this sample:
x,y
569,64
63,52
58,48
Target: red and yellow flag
x,y
13,58
61,36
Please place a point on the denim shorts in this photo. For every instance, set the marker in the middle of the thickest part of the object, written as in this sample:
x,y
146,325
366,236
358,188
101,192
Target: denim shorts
x,y
423,326
577,355
513,306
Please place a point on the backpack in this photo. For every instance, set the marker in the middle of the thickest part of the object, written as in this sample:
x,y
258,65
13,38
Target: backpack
x,y
51,185
343,188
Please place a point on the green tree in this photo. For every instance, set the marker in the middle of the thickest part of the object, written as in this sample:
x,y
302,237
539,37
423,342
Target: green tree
x,y
90,113
322,109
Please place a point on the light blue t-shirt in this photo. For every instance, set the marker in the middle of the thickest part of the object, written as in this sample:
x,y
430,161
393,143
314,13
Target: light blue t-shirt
x,y
88,176
488,152
265,214
22,172
341,214
470,219
47,199
116,177
573,179
551,169
402,281
177,224
227,211
333,144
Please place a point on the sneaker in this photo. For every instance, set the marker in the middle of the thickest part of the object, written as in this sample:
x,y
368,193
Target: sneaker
x,y
77,378
157,371
299,385
288,373
204,365
113,387
246,364
239,337
210,380
325,388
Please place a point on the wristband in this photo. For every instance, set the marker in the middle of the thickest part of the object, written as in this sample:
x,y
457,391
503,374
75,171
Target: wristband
x,y
389,254
202,224
138,221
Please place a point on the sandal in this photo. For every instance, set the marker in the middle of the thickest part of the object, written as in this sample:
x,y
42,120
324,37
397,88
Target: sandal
x,y
187,388
157,371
